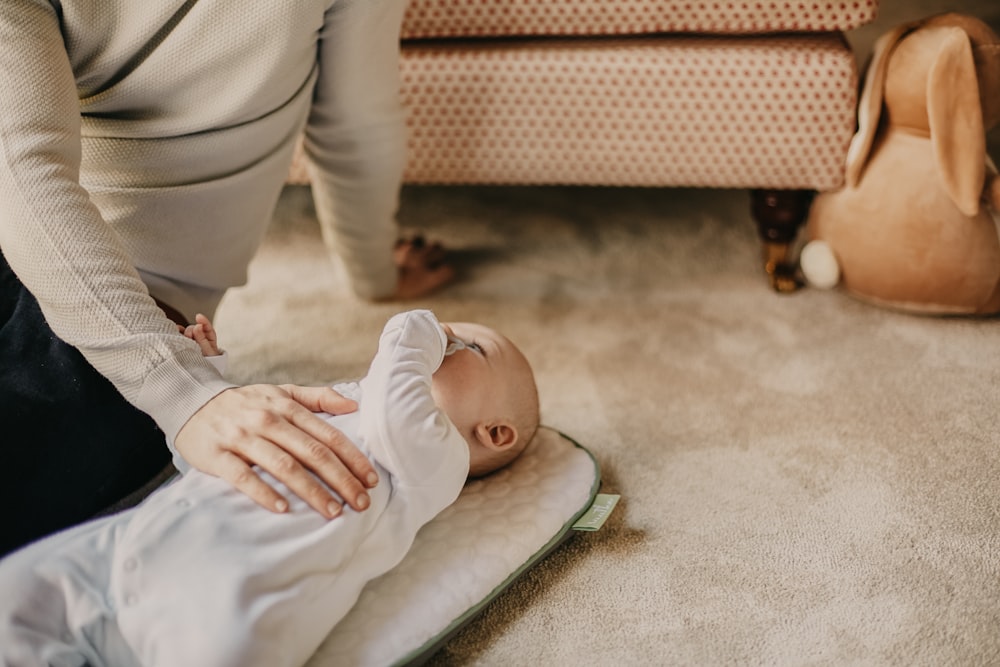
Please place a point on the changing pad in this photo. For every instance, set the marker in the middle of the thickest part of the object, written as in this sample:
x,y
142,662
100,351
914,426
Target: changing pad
x,y
499,527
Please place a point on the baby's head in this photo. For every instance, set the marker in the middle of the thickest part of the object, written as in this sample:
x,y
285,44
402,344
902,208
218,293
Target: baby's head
x,y
488,390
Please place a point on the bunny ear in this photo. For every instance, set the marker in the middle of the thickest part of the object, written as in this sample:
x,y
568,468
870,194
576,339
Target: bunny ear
x,y
956,121
870,104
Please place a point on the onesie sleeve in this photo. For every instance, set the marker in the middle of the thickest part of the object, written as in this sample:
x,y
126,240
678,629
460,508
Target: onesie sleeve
x,y
220,362
400,422
61,248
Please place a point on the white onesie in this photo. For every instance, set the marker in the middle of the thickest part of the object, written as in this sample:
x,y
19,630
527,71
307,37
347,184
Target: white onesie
x,y
199,574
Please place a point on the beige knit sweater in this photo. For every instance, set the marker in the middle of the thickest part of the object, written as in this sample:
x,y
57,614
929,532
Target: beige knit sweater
x,y
143,146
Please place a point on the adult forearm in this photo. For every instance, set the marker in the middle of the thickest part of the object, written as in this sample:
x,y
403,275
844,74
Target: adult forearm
x,y
59,245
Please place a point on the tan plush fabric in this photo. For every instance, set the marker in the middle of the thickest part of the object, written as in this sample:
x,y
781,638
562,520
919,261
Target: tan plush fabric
x,y
146,145
453,18
724,112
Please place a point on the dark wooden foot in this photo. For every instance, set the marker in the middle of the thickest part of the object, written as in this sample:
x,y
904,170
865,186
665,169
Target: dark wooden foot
x,y
779,214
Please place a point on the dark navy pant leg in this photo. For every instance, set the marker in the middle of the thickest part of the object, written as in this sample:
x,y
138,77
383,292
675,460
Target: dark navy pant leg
x,y
70,444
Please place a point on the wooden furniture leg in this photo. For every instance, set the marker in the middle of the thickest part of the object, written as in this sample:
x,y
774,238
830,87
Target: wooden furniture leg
x,y
779,214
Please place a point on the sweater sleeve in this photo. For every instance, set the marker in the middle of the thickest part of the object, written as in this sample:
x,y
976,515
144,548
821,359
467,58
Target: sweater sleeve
x,y
355,141
400,422
60,247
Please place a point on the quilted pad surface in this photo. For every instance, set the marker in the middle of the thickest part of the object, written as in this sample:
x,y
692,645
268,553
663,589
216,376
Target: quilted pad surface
x,y
485,539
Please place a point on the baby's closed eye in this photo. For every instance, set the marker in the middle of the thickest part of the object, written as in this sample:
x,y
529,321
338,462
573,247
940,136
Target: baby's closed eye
x,y
455,344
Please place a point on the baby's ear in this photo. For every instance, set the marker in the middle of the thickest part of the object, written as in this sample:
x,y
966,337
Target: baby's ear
x,y
497,435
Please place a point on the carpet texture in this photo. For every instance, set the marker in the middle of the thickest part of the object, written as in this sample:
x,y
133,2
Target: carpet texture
x,y
805,479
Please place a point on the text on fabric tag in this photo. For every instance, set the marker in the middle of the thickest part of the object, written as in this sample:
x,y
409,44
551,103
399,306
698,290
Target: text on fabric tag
x,y
598,513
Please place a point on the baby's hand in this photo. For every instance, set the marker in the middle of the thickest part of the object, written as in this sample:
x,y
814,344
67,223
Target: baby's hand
x,y
203,333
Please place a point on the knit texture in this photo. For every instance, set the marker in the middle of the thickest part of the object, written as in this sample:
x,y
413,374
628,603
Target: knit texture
x,y
144,151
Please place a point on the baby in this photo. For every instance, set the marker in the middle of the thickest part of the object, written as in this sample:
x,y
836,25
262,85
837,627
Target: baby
x,y
199,574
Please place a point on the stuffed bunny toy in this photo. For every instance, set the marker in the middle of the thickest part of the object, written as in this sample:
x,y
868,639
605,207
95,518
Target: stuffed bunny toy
x,y
915,226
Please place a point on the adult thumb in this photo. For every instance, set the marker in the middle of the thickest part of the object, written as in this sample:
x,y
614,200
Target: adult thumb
x,y
321,399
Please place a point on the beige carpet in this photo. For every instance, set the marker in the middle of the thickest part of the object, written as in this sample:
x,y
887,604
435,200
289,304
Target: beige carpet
x,y
805,479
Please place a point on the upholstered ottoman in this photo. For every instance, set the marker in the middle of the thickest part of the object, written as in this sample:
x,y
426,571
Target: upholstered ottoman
x,y
757,95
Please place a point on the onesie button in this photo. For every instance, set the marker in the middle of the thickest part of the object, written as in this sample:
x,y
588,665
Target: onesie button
x,y
184,502
130,600
130,564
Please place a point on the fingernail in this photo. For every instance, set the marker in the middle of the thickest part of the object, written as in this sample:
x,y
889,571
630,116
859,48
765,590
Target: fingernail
x,y
334,509
363,501
372,479
281,505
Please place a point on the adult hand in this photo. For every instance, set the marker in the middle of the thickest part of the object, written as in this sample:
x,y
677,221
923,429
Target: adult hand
x,y
273,427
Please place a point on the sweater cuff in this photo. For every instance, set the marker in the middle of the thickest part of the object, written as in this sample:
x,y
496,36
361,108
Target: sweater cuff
x,y
175,390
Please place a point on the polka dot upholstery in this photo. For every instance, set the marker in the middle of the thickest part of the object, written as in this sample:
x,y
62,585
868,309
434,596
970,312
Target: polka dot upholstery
x,y
759,113
480,18
771,110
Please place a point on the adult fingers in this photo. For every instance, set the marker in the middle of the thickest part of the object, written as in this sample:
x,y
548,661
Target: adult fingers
x,y
289,453
238,472
321,399
344,452
266,426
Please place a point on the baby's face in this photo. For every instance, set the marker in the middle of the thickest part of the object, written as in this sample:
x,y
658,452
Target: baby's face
x,y
472,383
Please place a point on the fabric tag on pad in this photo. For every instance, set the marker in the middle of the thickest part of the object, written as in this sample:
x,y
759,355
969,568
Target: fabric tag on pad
x,y
598,513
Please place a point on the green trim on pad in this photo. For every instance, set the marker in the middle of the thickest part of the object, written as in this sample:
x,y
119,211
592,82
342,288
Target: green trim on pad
x,y
424,653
